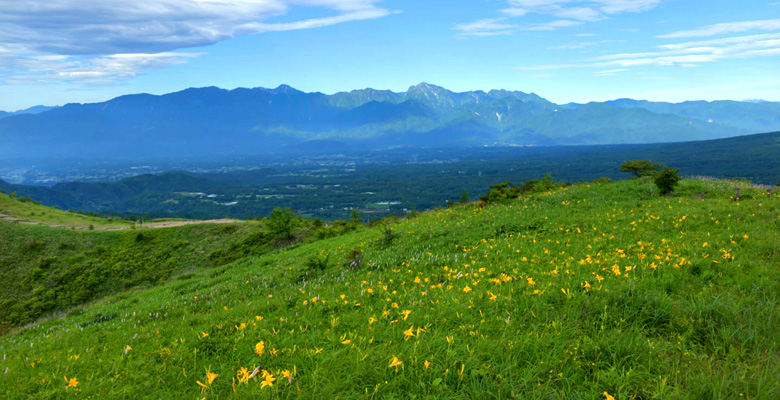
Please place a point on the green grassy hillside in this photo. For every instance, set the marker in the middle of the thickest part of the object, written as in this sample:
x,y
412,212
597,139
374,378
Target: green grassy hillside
x,y
52,268
585,293
26,209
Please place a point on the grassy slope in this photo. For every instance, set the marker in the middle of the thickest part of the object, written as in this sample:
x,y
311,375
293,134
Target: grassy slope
x,y
32,211
566,295
53,268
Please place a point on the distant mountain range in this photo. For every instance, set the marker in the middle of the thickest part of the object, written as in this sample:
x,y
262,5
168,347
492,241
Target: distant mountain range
x,y
31,110
207,121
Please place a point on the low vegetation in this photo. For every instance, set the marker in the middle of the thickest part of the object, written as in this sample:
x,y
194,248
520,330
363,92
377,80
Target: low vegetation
x,y
589,291
54,268
25,208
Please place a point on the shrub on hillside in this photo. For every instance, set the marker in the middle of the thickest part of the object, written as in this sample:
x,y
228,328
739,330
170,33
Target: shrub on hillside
x,y
501,192
317,264
388,235
281,222
667,179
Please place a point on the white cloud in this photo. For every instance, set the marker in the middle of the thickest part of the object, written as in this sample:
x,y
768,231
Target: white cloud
x,y
116,26
92,70
728,27
684,54
581,45
98,31
550,26
515,12
691,60
601,6
752,40
573,46
565,13
623,6
579,13
536,3
610,72
485,27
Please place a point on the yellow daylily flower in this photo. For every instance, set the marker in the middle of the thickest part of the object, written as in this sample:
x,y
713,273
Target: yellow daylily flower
x,y
72,382
395,362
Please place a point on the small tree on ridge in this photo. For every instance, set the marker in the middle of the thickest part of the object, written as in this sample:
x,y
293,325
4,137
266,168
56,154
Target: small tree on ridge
x,y
641,168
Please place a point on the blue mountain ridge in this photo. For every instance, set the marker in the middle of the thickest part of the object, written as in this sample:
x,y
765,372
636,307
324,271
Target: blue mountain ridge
x,y
210,121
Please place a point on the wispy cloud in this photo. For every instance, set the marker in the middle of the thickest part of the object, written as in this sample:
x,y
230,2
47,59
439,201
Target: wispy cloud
x,y
573,46
728,27
514,12
486,27
624,6
89,70
93,34
586,14
764,40
683,54
581,45
551,26
564,14
610,72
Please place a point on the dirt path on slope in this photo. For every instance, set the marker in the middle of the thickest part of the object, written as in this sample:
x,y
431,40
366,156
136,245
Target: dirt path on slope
x,y
169,224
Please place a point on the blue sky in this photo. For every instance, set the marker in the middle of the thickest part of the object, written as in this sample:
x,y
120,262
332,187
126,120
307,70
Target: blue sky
x,y
54,52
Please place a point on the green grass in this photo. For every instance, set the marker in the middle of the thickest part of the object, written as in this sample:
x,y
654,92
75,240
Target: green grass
x,y
54,268
26,209
571,294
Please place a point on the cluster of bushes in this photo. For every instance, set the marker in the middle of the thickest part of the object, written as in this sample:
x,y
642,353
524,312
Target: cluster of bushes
x,y
665,178
506,190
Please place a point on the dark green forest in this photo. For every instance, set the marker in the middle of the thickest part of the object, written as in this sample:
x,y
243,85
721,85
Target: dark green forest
x,y
379,184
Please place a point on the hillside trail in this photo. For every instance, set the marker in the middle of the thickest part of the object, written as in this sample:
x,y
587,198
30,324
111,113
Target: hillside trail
x,y
168,224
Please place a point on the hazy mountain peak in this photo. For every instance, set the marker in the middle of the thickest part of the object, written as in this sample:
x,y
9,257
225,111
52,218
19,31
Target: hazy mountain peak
x,y
32,110
427,87
358,97
287,89
435,96
201,89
